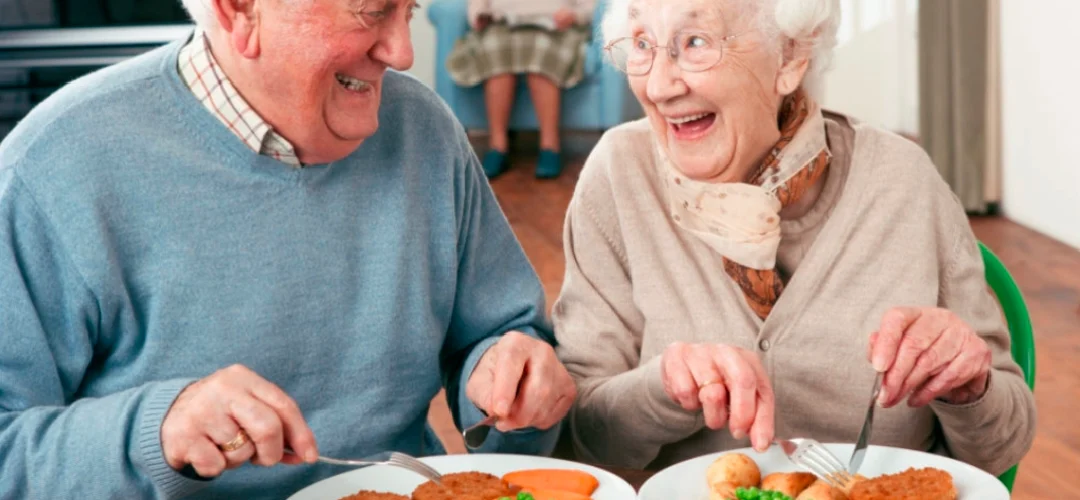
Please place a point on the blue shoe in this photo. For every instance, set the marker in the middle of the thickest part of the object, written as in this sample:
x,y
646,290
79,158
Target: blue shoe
x,y
549,165
495,162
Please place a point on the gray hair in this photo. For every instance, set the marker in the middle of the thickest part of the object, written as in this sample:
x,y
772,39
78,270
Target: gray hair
x,y
808,24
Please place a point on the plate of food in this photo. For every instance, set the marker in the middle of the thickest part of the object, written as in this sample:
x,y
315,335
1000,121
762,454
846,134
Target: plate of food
x,y
745,474
475,477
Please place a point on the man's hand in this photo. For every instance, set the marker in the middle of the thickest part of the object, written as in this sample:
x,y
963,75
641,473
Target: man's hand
x,y
231,417
521,382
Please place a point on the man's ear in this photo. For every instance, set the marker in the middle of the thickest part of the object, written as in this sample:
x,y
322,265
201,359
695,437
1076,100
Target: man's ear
x,y
794,63
240,19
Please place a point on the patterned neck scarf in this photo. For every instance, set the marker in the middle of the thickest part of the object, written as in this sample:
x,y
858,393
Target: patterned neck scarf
x,y
741,221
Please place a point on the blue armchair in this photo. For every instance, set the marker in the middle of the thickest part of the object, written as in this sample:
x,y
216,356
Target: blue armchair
x,y
600,101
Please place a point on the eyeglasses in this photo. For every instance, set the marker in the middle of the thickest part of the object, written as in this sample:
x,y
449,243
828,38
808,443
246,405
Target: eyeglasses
x,y
692,51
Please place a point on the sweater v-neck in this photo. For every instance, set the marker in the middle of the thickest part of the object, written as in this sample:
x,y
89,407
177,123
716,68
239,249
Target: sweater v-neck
x,y
834,225
216,135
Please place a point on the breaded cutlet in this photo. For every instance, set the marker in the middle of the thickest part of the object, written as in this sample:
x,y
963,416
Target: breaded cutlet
x,y
912,484
464,486
374,495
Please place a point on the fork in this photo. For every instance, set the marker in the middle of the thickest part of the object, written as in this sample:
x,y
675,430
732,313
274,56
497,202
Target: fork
x,y
815,457
393,458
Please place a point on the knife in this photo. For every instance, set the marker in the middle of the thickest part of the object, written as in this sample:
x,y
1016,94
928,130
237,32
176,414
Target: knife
x,y
864,435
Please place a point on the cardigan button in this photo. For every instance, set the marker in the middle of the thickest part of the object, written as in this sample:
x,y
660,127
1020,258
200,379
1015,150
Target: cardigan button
x,y
764,344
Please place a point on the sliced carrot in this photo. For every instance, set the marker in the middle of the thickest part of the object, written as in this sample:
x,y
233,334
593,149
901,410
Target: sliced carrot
x,y
570,480
556,495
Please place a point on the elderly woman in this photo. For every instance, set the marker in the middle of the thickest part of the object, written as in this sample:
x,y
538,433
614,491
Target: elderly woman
x,y
741,264
544,40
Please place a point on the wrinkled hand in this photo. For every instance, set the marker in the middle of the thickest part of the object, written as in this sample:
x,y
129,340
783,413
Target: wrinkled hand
x,y
214,410
727,383
929,353
520,381
564,18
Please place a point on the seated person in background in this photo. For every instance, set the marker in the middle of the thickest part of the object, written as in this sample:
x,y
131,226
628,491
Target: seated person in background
x,y
545,40
248,241
741,259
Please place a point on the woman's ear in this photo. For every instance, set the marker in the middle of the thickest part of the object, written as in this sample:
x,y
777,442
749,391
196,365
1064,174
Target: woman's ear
x,y
794,63
240,19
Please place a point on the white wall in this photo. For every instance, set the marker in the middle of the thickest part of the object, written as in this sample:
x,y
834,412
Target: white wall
x,y
874,73
1040,75
423,38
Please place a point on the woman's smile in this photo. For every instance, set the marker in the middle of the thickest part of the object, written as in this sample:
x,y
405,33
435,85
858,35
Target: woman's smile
x,y
690,127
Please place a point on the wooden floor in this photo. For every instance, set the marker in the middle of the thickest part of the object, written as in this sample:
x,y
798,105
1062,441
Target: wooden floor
x,y
1047,272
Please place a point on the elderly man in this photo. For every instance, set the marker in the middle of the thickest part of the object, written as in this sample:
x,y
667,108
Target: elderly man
x,y
248,248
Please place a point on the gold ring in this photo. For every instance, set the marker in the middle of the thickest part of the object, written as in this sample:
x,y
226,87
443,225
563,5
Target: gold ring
x,y
708,383
237,442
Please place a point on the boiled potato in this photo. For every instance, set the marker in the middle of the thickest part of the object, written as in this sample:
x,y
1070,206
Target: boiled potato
x,y
858,479
821,491
734,470
788,483
722,491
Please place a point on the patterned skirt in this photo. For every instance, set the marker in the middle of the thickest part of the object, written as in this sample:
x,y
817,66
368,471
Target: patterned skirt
x,y
500,49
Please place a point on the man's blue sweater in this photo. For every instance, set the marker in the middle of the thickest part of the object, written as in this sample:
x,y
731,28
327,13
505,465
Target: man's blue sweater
x,y
143,246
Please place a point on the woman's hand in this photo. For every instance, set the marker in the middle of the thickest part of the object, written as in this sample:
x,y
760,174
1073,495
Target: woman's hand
x,y
231,417
564,18
727,383
927,354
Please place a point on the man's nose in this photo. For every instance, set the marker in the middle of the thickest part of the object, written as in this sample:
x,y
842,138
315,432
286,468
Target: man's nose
x,y
394,48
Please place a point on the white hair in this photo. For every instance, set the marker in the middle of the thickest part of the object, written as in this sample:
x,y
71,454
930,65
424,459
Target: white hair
x,y
200,12
807,24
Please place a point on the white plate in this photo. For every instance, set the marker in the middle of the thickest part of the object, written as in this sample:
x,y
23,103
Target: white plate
x,y
403,482
686,480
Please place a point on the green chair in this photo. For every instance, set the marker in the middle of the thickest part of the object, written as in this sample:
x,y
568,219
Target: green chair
x,y
1016,315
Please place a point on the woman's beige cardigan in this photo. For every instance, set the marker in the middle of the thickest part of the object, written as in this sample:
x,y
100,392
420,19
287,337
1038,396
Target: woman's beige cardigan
x,y
886,232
